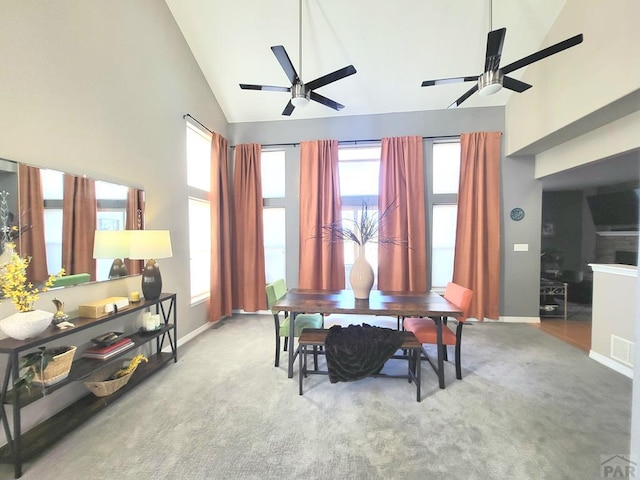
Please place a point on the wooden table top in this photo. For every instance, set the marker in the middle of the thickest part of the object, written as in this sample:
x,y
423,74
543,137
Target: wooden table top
x,y
379,303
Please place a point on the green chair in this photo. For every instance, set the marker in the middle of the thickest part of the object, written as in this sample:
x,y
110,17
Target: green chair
x,y
275,291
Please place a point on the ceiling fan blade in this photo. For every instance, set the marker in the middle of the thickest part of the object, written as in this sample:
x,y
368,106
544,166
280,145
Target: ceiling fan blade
x,y
545,52
466,95
285,63
288,109
325,101
331,77
495,40
444,81
266,88
515,85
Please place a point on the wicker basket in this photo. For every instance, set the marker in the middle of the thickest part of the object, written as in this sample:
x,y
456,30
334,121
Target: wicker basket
x,y
57,369
101,387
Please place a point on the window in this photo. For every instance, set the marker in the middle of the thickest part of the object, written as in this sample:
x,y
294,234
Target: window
x,y
444,213
199,179
359,172
272,167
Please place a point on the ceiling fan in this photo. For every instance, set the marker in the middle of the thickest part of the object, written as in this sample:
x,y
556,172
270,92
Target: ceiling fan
x,y
494,78
301,92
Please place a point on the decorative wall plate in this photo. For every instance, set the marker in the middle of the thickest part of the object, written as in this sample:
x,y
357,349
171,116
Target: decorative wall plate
x,y
517,214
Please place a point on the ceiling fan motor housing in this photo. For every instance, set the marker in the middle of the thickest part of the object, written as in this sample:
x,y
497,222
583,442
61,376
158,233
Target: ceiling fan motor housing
x,y
490,82
299,95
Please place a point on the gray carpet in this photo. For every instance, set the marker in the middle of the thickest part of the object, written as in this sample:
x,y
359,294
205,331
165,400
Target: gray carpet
x,y
528,407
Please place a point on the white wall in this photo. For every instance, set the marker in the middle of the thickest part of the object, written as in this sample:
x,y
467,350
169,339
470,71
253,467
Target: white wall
x,y
100,88
570,86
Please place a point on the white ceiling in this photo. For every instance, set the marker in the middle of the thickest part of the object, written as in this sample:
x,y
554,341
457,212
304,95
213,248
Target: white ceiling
x,y
394,46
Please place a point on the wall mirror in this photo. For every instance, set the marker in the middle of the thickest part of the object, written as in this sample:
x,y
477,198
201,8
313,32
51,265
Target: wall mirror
x,y
52,216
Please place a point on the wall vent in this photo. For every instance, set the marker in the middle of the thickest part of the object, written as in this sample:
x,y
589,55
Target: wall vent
x,y
622,350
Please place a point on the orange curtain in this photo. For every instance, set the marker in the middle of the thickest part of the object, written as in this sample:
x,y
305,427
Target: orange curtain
x,y
220,199
134,221
79,221
31,241
321,261
248,242
402,267
477,251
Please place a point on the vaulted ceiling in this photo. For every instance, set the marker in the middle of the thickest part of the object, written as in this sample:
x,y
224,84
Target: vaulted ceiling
x,y
394,46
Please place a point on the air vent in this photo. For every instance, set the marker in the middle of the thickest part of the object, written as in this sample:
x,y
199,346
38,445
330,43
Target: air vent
x,y
622,350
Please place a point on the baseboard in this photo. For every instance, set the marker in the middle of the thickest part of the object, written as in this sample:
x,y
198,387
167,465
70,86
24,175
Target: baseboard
x,y
511,319
612,364
189,336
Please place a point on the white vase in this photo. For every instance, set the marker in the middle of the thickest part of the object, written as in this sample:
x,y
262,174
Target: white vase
x,y
23,325
361,276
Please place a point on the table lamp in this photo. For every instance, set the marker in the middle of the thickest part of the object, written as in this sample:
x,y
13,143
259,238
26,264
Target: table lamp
x,y
150,245
112,244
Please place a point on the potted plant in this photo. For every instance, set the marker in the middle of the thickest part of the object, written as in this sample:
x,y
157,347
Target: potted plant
x,y
364,229
46,366
27,322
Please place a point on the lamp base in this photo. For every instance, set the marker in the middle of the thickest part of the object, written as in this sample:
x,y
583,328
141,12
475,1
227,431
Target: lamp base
x,y
118,269
151,281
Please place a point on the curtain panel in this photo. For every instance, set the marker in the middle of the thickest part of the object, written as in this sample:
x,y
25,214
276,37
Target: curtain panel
x,y
321,262
402,267
31,242
134,220
248,235
79,223
220,200
477,249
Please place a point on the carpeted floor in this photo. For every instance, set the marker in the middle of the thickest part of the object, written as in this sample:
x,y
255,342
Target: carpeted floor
x,y
528,407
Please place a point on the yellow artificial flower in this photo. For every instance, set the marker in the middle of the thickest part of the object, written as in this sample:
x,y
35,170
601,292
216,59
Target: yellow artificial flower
x,y
13,282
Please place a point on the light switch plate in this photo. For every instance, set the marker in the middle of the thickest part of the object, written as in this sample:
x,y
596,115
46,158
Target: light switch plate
x,y
520,247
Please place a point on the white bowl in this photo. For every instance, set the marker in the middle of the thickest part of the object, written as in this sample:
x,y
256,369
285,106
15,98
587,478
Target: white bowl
x,y
23,325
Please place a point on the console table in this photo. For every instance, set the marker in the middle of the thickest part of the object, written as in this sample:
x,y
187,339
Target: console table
x,y
22,446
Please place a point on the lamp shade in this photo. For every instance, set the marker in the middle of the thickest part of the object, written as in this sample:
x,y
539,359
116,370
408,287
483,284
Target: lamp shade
x,y
111,244
149,244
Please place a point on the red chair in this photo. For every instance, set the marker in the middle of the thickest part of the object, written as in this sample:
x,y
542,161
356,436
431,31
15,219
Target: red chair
x,y
425,329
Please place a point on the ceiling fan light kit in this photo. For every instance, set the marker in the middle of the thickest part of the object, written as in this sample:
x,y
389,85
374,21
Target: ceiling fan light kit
x,y
299,98
490,82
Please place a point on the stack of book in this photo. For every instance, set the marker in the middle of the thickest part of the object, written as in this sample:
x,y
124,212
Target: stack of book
x,y
103,353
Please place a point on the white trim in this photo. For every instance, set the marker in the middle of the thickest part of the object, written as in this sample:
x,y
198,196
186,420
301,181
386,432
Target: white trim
x,y
612,364
511,319
624,270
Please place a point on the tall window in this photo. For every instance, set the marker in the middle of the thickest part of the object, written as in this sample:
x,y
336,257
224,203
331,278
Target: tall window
x,y
359,171
445,178
199,181
273,214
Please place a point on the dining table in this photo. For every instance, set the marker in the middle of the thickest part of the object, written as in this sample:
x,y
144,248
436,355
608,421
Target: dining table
x,y
380,303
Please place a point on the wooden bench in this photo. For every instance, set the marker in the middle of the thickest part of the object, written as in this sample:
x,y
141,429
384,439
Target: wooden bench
x,y
315,337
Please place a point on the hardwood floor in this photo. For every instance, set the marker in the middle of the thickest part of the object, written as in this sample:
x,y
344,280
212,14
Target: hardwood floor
x,y
574,332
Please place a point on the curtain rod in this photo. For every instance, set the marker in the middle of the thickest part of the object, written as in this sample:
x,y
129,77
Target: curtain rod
x,y
296,144
353,142
198,122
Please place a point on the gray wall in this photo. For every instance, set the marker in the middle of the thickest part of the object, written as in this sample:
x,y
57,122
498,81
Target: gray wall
x,y
519,291
99,88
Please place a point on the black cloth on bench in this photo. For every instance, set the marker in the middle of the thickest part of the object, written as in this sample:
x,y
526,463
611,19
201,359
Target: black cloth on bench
x,y
358,351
